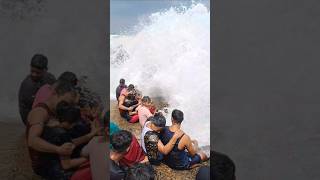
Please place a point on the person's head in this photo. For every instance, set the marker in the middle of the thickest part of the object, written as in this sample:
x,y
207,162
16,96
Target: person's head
x,y
122,82
39,66
177,116
64,91
158,122
130,87
146,101
67,114
120,142
69,77
222,167
140,172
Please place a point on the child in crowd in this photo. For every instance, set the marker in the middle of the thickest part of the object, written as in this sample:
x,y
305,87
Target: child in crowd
x,y
61,167
144,110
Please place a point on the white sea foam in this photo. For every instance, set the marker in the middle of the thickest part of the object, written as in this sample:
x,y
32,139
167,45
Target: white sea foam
x,y
169,57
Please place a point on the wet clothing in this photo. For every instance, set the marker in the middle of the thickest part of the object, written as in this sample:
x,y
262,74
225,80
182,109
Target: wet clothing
x,y
151,139
43,94
134,155
27,92
34,154
51,166
177,159
119,89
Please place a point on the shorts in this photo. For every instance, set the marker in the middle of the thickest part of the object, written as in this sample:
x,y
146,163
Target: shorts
x,y
196,159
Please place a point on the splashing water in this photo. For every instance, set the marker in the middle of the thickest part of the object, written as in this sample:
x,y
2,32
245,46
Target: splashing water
x,y
169,57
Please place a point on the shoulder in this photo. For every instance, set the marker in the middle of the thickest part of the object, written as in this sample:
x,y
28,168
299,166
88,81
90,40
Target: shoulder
x,y
37,115
26,82
186,138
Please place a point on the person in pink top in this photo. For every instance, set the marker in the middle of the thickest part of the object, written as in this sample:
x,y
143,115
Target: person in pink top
x,y
46,90
144,110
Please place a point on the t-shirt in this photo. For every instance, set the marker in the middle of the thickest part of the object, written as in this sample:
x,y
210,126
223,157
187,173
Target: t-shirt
x,y
123,91
43,94
27,92
143,133
135,154
143,113
119,89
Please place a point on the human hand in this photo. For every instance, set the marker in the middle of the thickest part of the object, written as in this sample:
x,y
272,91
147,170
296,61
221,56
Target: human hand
x,y
178,133
65,149
130,108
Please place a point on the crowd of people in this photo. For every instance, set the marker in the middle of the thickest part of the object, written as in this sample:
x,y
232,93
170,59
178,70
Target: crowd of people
x,y
158,143
65,125
68,130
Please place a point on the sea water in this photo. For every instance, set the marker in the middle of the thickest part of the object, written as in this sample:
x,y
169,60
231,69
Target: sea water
x,y
169,57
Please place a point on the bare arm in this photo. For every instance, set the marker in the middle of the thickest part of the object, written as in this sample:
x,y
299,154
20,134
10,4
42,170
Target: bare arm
x,y
165,149
68,163
121,106
186,142
36,120
145,160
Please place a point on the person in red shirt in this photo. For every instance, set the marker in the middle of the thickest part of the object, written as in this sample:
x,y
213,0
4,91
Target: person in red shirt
x,y
126,150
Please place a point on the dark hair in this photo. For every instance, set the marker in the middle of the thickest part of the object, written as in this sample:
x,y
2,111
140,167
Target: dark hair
x,y
177,115
121,140
122,81
222,167
130,87
141,172
67,113
69,77
158,120
65,87
146,99
39,61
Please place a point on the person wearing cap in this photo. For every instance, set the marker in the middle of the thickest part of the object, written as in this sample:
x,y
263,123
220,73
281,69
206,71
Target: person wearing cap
x,y
38,77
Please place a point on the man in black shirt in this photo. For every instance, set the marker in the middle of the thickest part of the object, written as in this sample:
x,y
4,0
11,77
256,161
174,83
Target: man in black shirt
x,y
31,84
120,87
